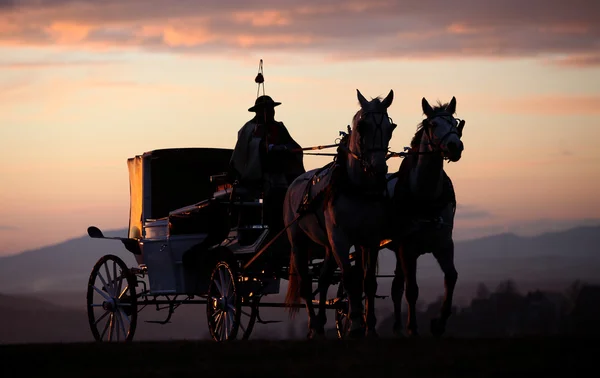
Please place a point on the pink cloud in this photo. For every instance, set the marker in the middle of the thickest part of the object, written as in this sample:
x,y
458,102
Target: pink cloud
x,y
580,61
335,29
54,64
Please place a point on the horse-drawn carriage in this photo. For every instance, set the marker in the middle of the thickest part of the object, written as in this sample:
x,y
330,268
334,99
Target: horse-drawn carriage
x,y
200,239
197,239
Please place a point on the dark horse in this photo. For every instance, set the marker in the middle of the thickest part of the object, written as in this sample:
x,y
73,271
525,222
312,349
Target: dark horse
x,y
423,209
351,212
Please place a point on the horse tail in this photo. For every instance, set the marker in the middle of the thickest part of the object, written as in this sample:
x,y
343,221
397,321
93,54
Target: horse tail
x,y
293,297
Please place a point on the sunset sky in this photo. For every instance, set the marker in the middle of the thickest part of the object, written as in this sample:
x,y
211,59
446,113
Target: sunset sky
x,y
85,84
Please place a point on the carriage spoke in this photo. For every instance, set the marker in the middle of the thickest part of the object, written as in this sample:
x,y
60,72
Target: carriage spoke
x,y
120,289
102,317
117,322
115,291
222,325
125,317
227,286
105,327
219,289
122,292
104,283
109,287
229,323
113,326
122,322
222,279
109,326
101,293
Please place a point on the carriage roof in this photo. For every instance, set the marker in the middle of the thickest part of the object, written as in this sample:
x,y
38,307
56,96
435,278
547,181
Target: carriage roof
x,y
166,179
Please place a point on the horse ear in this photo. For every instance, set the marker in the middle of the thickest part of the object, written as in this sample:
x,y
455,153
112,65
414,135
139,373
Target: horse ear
x,y
427,109
451,108
388,100
361,99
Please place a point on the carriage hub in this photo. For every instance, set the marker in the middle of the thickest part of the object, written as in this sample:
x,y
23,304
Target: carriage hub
x,y
109,305
222,303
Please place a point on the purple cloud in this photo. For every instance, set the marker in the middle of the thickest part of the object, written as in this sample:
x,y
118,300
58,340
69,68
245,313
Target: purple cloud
x,y
563,32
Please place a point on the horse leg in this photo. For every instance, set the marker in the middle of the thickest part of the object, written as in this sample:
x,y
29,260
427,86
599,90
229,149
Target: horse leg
x,y
370,288
351,279
409,256
445,258
324,282
314,328
398,293
300,284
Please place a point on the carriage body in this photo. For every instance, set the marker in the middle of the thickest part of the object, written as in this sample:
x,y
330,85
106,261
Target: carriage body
x,y
185,219
192,233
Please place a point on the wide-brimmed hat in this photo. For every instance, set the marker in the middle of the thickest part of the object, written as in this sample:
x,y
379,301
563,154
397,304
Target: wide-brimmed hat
x,y
263,102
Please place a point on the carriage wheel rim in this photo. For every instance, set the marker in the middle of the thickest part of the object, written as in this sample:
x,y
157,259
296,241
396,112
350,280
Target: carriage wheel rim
x,y
115,299
223,312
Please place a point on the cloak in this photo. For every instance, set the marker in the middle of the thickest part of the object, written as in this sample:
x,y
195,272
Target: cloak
x,y
251,162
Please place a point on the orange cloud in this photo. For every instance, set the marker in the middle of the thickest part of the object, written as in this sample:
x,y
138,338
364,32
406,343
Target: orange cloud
x,y
68,32
263,18
580,61
282,39
335,28
183,36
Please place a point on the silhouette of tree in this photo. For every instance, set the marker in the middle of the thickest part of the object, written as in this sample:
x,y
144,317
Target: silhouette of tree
x,y
507,287
572,292
421,305
482,291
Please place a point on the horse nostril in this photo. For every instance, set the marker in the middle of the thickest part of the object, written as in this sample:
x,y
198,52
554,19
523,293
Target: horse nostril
x,y
455,147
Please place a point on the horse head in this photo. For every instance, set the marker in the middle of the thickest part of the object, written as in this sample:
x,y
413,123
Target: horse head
x,y
370,135
441,131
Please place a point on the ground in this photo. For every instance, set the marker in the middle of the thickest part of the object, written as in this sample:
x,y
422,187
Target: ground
x,y
282,359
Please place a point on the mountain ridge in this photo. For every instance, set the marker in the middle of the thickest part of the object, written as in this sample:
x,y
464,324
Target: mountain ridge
x,y
572,253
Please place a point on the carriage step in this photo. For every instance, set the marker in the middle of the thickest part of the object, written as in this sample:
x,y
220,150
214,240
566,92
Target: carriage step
x,y
268,321
157,321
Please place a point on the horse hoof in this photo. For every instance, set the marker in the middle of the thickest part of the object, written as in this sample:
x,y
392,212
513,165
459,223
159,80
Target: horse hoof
x,y
437,328
372,334
316,334
413,334
398,333
357,333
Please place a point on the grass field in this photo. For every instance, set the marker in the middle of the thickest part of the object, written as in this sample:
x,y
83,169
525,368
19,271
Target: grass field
x,y
556,357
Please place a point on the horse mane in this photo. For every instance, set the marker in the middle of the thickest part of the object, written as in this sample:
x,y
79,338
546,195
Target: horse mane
x,y
416,140
339,175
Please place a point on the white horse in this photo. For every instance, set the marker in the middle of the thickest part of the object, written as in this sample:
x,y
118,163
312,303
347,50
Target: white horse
x,y
423,208
350,213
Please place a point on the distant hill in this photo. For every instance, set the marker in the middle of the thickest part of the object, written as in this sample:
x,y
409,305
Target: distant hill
x,y
43,290
61,267
559,257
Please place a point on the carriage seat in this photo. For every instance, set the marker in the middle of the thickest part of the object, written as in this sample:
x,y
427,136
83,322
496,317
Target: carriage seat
x,y
223,187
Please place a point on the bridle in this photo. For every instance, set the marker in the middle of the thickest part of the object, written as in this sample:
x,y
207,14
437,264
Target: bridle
x,y
456,128
361,156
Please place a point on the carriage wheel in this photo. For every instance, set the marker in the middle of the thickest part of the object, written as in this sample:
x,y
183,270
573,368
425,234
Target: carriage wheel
x,y
112,301
342,317
224,304
249,315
